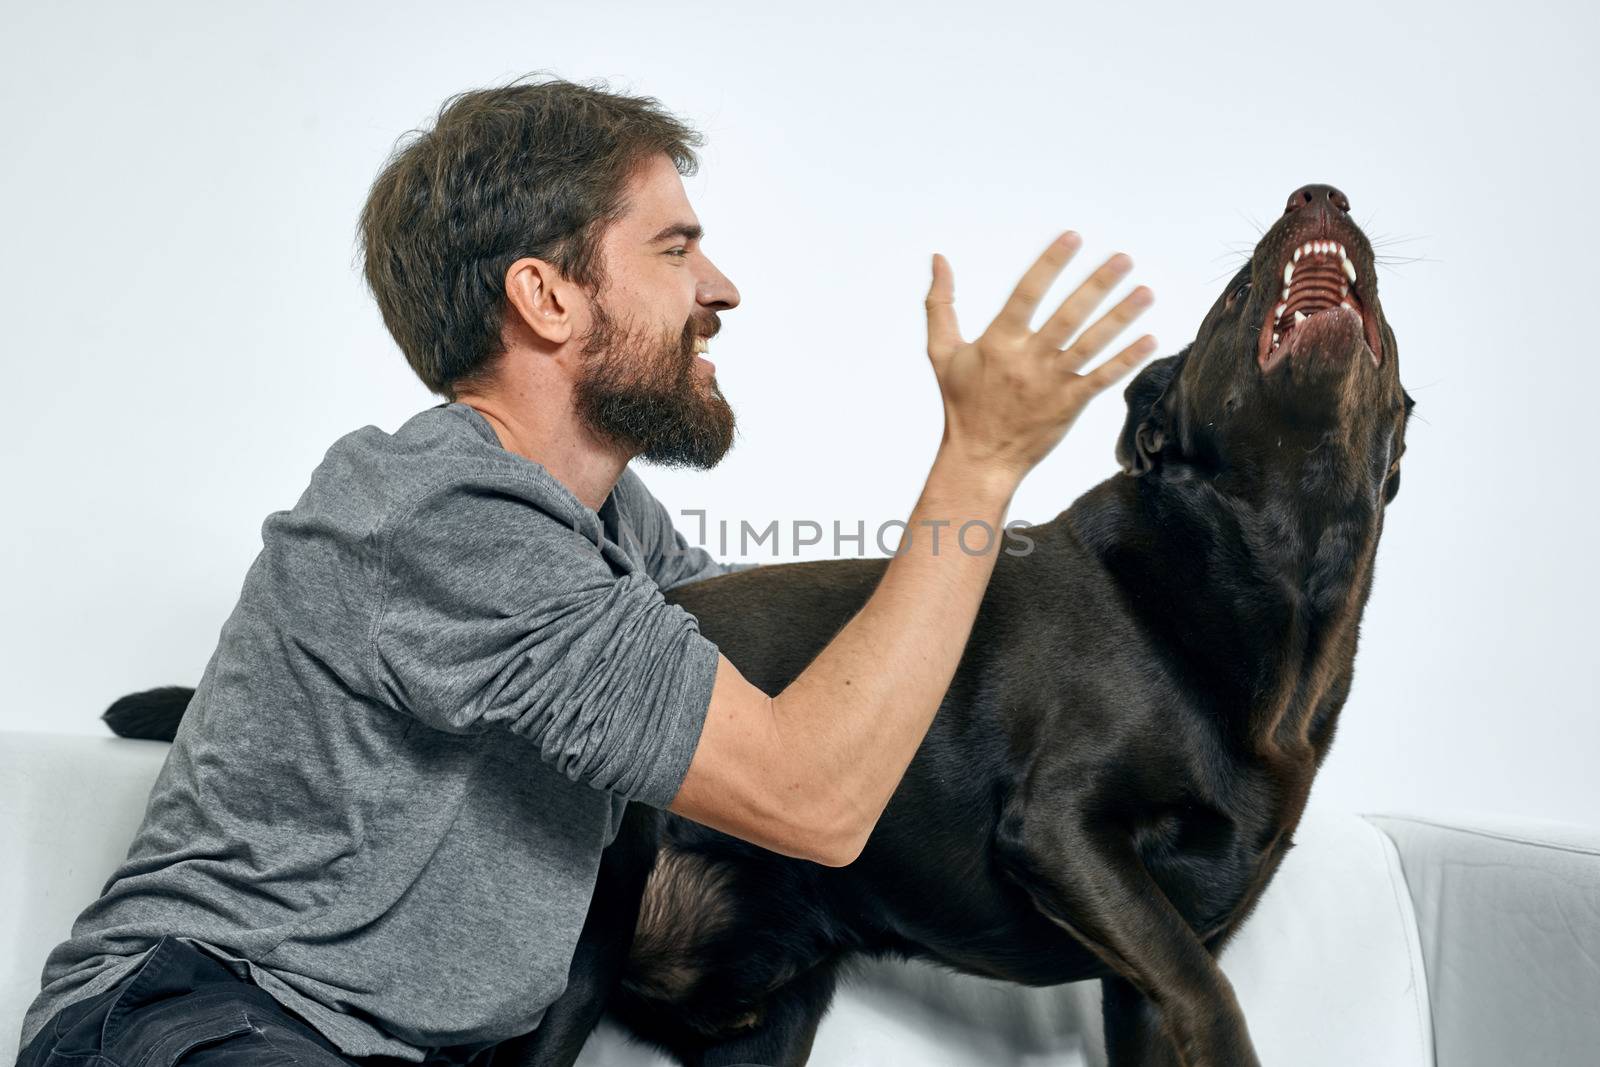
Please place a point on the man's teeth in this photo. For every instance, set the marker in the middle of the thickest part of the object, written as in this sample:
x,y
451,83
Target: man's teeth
x,y
700,345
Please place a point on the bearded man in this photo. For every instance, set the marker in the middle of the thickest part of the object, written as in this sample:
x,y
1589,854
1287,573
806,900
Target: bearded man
x,y
451,665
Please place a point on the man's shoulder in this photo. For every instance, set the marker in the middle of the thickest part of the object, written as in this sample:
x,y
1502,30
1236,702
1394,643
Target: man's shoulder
x,y
447,455
438,443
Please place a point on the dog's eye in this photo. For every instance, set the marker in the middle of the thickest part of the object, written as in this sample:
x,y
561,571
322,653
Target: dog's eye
x,y
1238,294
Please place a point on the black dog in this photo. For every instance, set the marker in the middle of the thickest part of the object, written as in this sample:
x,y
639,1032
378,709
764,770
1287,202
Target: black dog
x,y
1128,744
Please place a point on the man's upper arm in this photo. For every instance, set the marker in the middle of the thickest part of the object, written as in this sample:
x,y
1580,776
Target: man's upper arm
x,y
495,614
742,779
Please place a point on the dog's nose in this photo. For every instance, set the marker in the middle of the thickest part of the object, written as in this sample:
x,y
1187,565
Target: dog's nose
x,y
1308,195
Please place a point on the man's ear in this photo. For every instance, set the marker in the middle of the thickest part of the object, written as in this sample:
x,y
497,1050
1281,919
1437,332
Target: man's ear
x,y
1145,431
540,298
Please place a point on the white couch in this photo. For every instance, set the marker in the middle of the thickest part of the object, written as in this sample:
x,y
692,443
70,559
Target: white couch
x,y
1384,941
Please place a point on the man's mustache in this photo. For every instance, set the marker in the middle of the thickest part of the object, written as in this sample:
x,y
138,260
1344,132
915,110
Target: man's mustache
x,y
707,326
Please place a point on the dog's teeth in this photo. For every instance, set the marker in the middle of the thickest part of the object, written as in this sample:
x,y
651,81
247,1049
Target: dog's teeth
x,y
1288,272
1278,314
1346,305
1274,338
1342,253
1350,270
1299,317
1297,255
1286,292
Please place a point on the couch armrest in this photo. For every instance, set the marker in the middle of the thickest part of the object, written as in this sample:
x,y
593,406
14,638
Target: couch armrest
x,y
1509,915
69,807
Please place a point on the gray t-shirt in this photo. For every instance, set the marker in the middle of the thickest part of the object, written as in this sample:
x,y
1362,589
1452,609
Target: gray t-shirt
x,y
444,679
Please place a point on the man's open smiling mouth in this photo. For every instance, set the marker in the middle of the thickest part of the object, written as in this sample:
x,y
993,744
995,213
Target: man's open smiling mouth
x,y
700,346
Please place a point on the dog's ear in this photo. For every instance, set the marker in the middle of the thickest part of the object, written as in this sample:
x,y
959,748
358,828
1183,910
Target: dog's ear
x,y
1391,484
1391,488
1145,432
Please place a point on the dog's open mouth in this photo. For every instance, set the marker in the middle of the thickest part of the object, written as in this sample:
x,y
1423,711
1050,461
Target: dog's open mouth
x,y
1318,307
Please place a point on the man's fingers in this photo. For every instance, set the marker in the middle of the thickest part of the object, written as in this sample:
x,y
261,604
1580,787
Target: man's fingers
x,y
1107,327
1117,367
944,333
1075,309
1017,315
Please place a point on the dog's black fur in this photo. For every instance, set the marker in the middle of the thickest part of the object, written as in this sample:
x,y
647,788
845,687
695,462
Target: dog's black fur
x,y
1126,750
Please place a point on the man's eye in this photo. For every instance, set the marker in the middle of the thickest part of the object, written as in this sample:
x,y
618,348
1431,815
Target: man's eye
x,y
679,251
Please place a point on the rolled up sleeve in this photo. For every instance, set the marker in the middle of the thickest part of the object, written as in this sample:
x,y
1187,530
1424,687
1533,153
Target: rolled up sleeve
x,y
496,615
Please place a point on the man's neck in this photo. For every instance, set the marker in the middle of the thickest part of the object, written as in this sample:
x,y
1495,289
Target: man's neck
x,y
551,435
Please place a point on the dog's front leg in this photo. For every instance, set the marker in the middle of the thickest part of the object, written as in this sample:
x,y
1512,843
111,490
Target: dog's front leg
x,y
1088,879
1134,1036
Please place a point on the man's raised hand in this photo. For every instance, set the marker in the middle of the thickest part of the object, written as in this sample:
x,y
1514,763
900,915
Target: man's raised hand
x,y
1011,394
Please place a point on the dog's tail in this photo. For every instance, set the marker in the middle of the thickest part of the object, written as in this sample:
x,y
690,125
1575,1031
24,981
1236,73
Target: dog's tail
x,y
152,715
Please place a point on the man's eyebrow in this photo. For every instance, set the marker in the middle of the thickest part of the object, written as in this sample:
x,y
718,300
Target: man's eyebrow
x,y
687,231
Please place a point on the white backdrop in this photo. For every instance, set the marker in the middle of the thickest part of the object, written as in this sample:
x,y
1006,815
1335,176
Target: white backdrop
x,y
185,331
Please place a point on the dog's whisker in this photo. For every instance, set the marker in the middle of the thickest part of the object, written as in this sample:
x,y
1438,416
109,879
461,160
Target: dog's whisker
x,y
1393,264
1385,240
1404,260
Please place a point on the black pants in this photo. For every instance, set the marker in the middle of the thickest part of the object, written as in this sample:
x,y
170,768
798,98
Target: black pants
x,y
182,1005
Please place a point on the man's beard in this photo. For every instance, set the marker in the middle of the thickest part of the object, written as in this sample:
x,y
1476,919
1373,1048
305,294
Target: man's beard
x,y
642,393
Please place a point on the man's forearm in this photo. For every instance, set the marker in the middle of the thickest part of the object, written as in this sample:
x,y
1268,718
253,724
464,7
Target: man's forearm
x,y
854,718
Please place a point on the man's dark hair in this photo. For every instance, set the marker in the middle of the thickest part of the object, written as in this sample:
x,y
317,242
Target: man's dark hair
x,y
528,169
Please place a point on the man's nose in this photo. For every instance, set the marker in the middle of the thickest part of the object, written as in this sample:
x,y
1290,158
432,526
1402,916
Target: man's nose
x,y
1317,197
715,290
